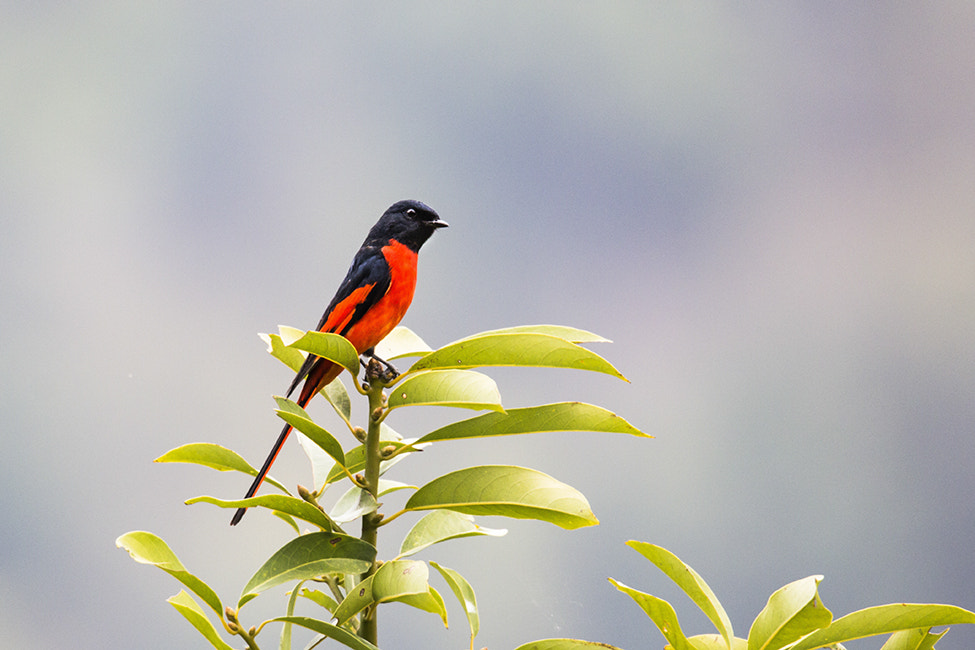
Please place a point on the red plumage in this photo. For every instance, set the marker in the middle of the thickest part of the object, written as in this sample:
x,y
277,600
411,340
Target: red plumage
x,y
370,302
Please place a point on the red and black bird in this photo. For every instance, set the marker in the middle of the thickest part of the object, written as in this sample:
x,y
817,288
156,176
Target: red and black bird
x,y
370,302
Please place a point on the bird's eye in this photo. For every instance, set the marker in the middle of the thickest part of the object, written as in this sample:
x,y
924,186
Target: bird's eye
x,y
411,212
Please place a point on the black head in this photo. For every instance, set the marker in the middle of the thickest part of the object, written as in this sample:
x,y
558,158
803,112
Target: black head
x,y
409,222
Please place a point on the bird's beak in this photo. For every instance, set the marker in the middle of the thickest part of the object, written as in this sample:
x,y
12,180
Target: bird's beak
x,y
439,223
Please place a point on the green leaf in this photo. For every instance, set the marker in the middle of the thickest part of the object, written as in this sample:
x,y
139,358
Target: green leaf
x,y
310,556
394,580
568,333
716,642
330,346
208,455
562,416
353,504
916,639
661,613
885,619
386,486
691,583
321,463
564,644
399,578
430,601
277,502
338,396
330,631
792,612
356,599
320,598
214,457
439,526
401,342
147,548
297,417
515,349
193,613
286,630
464,594
458,388
288,519
278,348
505,491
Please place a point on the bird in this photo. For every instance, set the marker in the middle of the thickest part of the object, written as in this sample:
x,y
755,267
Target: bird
x,y
370,302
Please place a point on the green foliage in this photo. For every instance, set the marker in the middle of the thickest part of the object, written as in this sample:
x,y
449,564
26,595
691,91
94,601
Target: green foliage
x,y
794,618
354,582
357,582
505,491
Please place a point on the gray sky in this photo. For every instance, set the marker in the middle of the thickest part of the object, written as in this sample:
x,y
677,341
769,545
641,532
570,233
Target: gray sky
x,y
768,209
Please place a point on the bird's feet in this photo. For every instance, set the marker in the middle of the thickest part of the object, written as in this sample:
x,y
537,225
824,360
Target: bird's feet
x,y
378,368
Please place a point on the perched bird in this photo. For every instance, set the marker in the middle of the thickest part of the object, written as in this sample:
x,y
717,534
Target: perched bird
x,y
370,302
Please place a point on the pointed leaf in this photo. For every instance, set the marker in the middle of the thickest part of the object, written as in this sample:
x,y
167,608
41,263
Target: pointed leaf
x,y
691,583
792,612
459,388
330,631
506,491
563,416
297,417
568,333
286,630
439,526
353,504
288,334
330,346
320,598
147,548
214,457
464,594
208,455
916,639
401,342
515,349
277,502
565,644
310,556
277,348
430,601
661,613
193,613
884,619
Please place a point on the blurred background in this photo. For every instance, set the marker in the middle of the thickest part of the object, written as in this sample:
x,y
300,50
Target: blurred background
x,y
769,209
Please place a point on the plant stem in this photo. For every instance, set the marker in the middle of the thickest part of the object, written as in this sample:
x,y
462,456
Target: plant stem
x,y
368,628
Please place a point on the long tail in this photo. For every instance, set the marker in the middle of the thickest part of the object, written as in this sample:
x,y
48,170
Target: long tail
x,y
279,443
